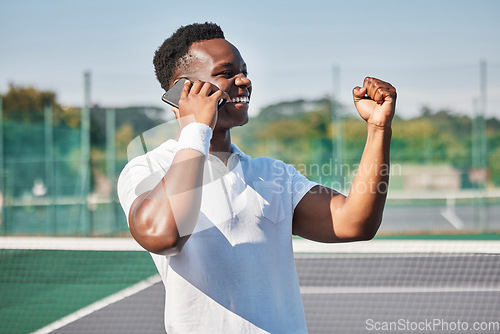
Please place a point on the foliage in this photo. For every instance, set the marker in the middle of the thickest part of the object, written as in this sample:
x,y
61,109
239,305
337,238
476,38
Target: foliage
x,y
26,159
26,105
302,132
297,132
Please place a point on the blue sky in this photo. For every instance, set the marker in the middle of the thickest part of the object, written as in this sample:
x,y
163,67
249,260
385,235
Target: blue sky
x,y
429,50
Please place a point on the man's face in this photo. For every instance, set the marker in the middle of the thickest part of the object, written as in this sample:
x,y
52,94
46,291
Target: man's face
x,y
219,62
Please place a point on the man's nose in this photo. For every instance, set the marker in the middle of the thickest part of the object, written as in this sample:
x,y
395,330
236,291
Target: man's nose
x,y
242,80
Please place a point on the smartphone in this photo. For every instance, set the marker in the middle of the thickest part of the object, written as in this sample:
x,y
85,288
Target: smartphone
x,y
173,95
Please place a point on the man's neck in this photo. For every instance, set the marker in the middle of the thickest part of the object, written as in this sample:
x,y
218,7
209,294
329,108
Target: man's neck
x,y
220,145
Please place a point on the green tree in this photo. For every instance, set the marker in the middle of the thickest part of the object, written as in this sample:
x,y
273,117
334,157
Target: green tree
x,y
26,104
301,131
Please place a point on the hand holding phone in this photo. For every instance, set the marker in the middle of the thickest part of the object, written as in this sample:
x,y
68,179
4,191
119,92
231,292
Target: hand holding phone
x,y
173,95
201,100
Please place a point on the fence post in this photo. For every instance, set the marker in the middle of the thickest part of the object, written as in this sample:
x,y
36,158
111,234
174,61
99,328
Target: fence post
x,y
111,162
3,193
49,167
85,156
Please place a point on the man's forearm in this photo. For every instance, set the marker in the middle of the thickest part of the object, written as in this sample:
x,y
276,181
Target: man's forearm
x,y
364,205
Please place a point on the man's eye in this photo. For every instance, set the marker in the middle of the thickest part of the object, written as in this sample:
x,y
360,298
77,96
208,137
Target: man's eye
x,y
225,74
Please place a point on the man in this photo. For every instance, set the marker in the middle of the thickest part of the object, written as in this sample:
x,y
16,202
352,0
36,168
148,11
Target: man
x,y
218,223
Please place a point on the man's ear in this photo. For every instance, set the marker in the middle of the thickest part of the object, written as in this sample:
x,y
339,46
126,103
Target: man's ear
x,y
175,81
176,112
177,78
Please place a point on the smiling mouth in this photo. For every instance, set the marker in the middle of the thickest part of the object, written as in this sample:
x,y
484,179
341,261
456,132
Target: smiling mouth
x,y
240,99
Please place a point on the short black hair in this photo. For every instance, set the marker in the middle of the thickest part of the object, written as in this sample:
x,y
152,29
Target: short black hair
x,y
171,53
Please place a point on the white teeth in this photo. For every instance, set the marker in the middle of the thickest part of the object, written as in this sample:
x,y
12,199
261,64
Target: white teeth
x,y
242,99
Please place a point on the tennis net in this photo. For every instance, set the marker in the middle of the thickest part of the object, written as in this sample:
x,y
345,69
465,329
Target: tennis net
x,y
110,285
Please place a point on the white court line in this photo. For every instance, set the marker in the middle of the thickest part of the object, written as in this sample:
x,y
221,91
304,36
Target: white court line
x,y
70,243
451,216
449,213
309,290
99,305
299,245
399,247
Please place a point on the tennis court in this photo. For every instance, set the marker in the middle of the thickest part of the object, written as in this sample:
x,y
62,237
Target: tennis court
x,y
110,286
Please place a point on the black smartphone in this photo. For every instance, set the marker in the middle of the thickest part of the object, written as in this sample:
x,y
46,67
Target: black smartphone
x,y
173,95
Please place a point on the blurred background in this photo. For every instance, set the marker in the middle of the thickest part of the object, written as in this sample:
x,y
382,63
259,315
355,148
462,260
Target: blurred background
x,y
77,86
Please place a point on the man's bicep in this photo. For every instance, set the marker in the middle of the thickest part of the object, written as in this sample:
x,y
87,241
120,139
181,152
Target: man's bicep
x,y
312,218
136,179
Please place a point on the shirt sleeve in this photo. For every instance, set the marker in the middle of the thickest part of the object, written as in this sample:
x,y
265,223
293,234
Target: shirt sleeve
x,y
300,185
136,178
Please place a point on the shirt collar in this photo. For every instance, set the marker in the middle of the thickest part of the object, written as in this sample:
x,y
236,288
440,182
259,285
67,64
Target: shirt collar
x,y
237,151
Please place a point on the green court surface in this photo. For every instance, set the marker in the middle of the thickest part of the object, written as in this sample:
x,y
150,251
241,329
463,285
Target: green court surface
x,y
38,287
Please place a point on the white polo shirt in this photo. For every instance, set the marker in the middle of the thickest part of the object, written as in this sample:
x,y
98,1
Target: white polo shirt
x,y
236,273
